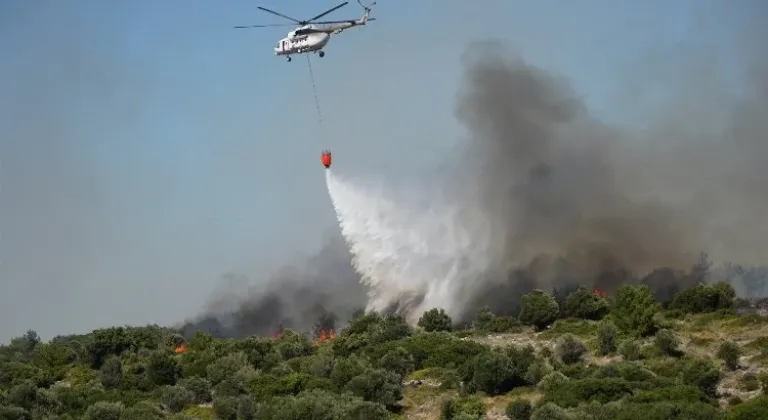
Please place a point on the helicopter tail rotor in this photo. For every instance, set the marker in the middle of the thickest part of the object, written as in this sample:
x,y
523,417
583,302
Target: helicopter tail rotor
x,y
366,8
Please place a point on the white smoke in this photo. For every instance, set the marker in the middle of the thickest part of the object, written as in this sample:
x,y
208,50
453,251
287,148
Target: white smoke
x,y
417,255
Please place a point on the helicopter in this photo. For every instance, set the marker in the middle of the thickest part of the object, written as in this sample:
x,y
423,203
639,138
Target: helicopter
x,y
312,36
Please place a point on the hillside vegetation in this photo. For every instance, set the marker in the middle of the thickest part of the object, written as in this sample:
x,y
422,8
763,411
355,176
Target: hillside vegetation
x,y
701,356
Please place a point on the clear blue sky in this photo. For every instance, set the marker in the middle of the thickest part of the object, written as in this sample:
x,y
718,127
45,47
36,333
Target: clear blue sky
x,y
146,148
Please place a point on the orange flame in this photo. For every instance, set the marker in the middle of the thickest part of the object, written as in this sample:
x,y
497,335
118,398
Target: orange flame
x,y
181,349
324,336
599,292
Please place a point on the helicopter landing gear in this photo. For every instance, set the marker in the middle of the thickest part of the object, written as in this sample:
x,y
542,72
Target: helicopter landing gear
x,y
288,58
321,54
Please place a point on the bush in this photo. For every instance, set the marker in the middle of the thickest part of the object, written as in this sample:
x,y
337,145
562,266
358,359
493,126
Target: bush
x,y
550,411
111,372
104,410
519,410
577,391
729,352
200,388
570,350
585,304
606,338
630,350
667,343
763,379
435,320
552,381
176,398
538,309
633,310
398,361
703,298
754,409
378,386
493,373
225,408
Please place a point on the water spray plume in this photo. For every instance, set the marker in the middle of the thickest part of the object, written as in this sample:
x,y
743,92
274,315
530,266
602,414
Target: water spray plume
x,y
416,258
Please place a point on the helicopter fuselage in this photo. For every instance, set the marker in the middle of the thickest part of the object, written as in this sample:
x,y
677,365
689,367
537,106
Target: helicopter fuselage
x,y
297,44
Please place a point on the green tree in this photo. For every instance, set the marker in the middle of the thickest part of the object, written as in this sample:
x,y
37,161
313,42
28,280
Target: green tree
x,y
729,352
667,342
435,320
226,367
585,304
111,372
104,410
634,308
200,388
630,350
570,349
483,319
176,398
225,408
519,410
378,386
398,361
539,309
163,369
606,338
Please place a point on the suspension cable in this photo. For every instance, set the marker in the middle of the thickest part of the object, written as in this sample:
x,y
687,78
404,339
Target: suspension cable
x,y
314,90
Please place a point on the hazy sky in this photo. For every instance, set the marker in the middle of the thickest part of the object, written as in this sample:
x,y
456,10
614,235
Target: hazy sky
x,y
146,148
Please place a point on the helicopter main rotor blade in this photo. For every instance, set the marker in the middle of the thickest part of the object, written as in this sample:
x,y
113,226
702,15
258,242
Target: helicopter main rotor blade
x,y
264,26
328,11
338,21
279,14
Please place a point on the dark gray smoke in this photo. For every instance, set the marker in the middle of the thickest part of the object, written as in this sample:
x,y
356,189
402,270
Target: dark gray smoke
x,y
320,293
575,201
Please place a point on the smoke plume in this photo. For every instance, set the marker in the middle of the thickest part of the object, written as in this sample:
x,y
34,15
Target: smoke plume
x,y
549,196
546,195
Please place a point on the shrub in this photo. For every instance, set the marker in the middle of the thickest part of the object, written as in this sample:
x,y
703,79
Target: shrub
x,y
104,410
750,382
701,373
606,338
570,350
398,361
493,373
538,309
630,350
163,369
753,409
577,391
550,411
552,381
667,342
225,408
633,310
200,388
435,320
176,398
111,372
584,303
763,379
536,372
519,410
729,352
703,298
378,386
225,367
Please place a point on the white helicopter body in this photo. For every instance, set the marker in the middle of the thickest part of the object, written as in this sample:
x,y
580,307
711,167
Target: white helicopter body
x,y
313,37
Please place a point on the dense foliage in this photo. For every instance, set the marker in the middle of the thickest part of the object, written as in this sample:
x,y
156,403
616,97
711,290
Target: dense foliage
x,y
597,357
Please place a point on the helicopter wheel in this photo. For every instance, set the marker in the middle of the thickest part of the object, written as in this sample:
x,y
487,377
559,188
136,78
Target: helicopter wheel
x,y
321,54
